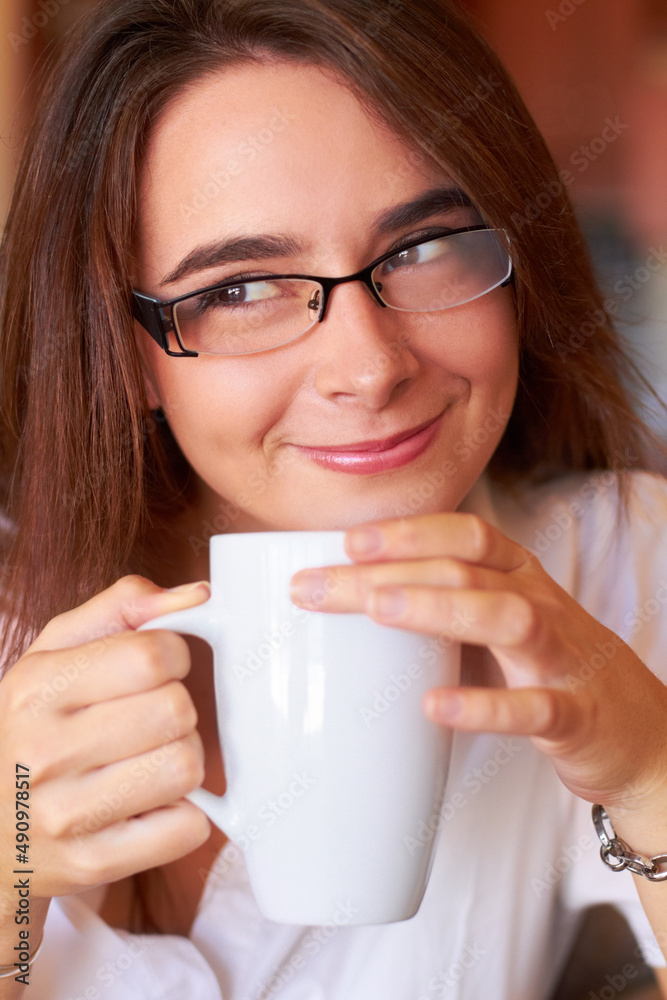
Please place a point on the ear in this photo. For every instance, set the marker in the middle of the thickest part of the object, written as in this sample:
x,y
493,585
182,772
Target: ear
x,y
150,386
151,392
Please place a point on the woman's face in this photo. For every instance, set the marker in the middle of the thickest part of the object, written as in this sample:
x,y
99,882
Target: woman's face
x,y
303,436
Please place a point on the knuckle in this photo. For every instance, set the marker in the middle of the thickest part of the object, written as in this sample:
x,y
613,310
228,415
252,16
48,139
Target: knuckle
x,y
85,868
131,585
157,650
442,607
408,535
22,682
179,708
149,656
481,537
548,712
529,561
461,575
43,762
361,583
16,695
201,826
55,625
499,715
56,820
187,765
524,621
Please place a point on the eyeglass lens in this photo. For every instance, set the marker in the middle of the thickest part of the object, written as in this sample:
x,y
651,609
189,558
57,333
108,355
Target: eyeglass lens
x,y
263,313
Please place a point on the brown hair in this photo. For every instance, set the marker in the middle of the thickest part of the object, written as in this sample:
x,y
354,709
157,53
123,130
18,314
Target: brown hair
x,y
86,475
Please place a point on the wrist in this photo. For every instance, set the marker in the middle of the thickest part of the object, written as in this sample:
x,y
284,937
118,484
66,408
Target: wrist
x,y
619,855
643,822
10,931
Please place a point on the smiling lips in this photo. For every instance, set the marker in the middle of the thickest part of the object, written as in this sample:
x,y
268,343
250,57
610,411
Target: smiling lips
x,y
366,457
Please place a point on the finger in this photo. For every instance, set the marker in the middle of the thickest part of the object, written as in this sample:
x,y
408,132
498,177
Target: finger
x,y
455,535
490,618
114,730
130,602
549,713
346,588
110,667
76,806
114,852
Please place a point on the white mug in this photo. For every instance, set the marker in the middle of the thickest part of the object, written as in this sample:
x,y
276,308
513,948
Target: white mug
x,y
329,759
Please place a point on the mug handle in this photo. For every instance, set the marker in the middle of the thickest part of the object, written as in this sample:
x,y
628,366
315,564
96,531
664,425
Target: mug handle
x,y
201,621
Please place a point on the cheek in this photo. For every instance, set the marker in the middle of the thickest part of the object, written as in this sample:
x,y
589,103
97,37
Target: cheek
x,y
221,402
478,342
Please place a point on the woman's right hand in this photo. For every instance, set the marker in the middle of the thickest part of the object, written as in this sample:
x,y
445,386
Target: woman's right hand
x,y
99,714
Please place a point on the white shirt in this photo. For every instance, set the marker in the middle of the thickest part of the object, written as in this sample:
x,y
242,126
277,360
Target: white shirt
x,y
516,860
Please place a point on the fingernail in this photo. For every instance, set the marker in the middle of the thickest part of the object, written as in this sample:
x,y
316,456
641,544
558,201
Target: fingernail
x,y
185,587
443,706
388,602
308,587
363,541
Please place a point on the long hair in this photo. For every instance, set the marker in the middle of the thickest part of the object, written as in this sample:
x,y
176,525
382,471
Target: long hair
x,y
88,473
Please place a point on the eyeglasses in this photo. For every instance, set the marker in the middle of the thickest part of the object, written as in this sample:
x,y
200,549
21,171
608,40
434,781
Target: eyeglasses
x,y
245,317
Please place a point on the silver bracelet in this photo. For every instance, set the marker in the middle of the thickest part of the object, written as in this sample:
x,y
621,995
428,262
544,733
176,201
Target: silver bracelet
x,y
617,855
13,970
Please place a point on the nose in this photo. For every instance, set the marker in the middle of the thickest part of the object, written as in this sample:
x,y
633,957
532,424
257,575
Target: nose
x,y
363,353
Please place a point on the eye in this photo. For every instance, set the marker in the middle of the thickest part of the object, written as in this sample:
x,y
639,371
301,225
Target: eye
x,y
414,256
236,295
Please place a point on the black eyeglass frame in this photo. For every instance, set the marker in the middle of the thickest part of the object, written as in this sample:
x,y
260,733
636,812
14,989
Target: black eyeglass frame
x,y
157,315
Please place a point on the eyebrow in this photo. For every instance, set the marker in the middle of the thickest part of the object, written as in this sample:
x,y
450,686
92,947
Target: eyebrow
x,y
267,246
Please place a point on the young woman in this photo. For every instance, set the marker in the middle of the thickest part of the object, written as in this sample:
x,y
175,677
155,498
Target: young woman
x,y
459,402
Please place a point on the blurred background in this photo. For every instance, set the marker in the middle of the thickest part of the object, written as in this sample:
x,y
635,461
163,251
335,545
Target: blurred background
x,y
593,74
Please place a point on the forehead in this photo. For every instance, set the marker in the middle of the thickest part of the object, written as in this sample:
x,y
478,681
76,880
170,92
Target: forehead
x,y
269,147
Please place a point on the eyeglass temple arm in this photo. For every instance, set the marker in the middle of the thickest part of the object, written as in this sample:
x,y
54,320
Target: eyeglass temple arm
x,y
148,312
145,310
154,318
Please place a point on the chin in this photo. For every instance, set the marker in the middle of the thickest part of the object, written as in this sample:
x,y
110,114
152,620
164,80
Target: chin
x,y
409,501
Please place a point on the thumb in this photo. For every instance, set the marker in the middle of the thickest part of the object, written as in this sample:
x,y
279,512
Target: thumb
x,y
125,606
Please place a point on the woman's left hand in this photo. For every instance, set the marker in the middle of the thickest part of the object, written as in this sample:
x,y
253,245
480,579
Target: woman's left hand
x,y
573,686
